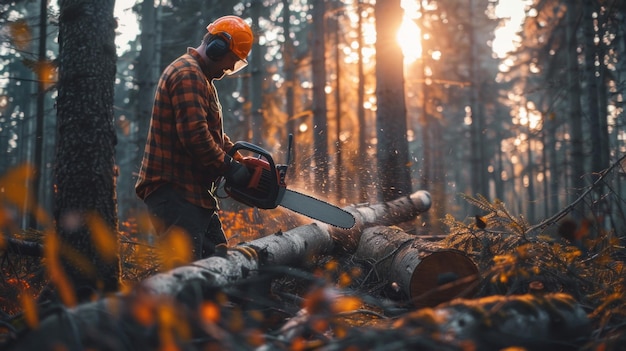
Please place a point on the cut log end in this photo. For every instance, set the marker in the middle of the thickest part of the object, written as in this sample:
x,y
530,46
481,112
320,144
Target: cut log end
x,y
442,276
421,201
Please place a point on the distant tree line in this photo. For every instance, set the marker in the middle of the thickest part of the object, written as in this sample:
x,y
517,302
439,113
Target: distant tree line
x,y
531,128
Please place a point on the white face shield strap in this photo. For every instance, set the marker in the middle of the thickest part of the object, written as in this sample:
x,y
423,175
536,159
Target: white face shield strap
x,y
239,65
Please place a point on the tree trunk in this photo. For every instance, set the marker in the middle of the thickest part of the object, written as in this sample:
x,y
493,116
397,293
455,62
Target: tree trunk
x,y
85,210
362,159
421,271
477,148
319,127
577,158
147,74
39,124
392,150
592,51
289,62
256,79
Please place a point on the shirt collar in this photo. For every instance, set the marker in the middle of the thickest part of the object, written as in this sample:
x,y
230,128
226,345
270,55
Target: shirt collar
x,y
203,64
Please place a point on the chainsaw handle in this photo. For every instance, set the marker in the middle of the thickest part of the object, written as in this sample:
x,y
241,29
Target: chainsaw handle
x,y
264,189
244,145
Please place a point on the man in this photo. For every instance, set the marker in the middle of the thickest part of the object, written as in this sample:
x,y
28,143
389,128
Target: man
x,y
186,147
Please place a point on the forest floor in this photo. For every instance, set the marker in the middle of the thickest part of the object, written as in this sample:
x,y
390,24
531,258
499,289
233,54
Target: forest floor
x,y
560,284
329,305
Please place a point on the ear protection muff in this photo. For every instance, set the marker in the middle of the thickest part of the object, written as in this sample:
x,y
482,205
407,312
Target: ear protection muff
x,y
218,46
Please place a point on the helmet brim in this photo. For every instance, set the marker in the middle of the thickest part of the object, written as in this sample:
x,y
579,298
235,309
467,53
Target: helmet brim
x,y
239,65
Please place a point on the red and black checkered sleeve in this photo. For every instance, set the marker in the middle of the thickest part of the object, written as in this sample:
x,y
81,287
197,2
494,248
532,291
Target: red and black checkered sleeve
x,y
192,105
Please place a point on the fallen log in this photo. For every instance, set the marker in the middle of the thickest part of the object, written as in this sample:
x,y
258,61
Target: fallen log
x,y
294,247
22,247
518,322
188,286
534,322
389,213
422,272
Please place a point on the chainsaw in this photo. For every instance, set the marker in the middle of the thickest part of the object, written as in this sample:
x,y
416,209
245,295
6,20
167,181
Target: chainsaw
x,y
267,188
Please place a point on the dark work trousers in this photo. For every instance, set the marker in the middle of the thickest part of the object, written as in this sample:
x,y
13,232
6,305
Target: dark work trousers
x,y
168,209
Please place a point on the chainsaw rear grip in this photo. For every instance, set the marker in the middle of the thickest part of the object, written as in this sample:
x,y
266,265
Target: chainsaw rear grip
x,y
236,173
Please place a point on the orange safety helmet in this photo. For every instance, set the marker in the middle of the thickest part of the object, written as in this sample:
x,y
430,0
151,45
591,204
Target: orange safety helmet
x,y
237,31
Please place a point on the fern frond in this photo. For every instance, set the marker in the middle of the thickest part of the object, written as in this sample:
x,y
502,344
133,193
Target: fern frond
x,y
478,201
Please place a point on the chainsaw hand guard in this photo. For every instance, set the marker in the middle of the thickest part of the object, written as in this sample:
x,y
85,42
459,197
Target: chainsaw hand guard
x,y
264,189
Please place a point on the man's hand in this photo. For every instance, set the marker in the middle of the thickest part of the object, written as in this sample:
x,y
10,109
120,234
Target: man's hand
x,y
236,174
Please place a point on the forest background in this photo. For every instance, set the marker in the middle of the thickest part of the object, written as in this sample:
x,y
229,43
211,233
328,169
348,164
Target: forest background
x,y
508,141
455,114
530,126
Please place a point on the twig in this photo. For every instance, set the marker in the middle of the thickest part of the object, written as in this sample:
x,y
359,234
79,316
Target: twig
x,y
571,206
362,311
23,247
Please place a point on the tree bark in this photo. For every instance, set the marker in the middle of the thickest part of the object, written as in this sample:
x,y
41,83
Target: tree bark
x,y
525,322
535,322
392,148
319,127
256,79
576,159
394,212
85,199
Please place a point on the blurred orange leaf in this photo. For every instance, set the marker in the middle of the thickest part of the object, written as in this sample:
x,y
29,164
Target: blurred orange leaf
x,y
210,312
30,309
345,304
256,338
344,279
331,265
175,248
298,344
104,240
20,33
143,311
236,321
47,73
52,247
14,189
14,183
319,325
583,231
171,326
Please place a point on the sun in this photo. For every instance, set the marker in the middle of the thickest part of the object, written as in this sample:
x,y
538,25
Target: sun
x,y
507,34
408,37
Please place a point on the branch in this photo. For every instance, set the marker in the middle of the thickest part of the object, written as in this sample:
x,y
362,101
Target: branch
x,y
22,247
570,207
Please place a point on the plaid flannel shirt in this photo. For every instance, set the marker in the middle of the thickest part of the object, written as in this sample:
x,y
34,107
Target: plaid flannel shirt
x,y
186,142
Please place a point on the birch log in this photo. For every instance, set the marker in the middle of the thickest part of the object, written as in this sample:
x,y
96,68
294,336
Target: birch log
x,y
425,274
522,322
290,248
389,213
296,245
531,322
